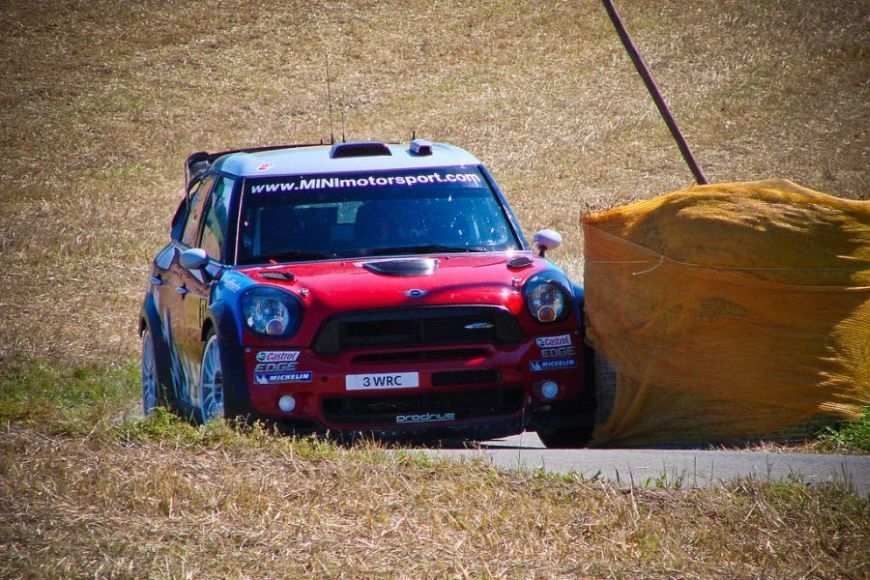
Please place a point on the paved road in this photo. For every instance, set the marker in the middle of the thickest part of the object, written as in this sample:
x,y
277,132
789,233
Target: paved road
x,y
687,467
648,466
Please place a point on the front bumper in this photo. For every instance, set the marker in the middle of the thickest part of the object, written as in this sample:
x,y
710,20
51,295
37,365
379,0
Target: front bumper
x,y
472,391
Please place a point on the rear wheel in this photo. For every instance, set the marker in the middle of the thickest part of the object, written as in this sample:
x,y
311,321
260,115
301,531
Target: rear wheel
x,y
211,382
150,384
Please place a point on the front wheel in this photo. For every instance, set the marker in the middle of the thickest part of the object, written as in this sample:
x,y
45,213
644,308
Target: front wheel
x,y
566,438
573,427
211,383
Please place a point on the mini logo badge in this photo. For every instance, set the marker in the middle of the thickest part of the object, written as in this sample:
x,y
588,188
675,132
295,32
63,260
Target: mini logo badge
x,y
415,293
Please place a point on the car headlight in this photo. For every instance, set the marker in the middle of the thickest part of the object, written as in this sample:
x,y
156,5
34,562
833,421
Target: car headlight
x,y
271,311
546,300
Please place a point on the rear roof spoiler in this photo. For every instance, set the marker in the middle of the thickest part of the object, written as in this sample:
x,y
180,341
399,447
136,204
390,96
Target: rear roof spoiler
x,y
195,165
199,162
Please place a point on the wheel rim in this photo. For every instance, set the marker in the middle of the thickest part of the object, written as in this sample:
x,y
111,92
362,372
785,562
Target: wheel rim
x,y
149,375
212,384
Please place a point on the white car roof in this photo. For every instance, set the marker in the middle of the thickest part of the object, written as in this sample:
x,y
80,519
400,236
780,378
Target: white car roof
x,y
318,159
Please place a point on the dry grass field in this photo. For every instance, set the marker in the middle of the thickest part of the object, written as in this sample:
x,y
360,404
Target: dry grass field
x,y
217,505
101,102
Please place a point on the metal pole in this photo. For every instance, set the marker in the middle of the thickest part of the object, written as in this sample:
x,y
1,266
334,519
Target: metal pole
x,y
654,92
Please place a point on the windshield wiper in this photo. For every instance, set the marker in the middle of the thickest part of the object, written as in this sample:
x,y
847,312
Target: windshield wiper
x,y
425,249
296,255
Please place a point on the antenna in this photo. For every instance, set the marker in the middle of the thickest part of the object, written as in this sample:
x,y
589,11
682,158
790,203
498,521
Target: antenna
x,y
341,102
329,101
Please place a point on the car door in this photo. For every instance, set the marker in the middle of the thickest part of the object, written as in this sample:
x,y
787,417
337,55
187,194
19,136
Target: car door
x,y
161,268
196,284
177,285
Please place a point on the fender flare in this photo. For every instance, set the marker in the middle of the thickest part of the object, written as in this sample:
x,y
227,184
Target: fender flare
x,y
579,304
588,353
237,399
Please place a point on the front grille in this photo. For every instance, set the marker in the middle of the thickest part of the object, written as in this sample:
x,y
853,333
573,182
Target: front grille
x,y
403,356
416,327
465,405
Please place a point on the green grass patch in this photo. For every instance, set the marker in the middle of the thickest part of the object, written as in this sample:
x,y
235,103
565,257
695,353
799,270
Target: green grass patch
x,y
67,399
847,437
83,400
163,426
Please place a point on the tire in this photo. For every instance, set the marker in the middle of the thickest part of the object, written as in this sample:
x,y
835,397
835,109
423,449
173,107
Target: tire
x,y
237,401
577,431
211,385
565,438
151,396
605,380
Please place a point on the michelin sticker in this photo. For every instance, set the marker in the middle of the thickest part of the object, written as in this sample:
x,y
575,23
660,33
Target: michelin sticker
x,y
539,366
273,378
553,341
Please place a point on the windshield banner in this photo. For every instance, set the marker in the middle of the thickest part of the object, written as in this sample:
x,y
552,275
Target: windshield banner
x,y
347,181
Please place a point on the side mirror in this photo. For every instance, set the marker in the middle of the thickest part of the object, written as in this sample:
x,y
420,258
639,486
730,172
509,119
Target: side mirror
x,y
193,259
547,240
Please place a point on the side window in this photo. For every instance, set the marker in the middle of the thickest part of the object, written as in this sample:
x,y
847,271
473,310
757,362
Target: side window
x,y
196,205
179,220
216,217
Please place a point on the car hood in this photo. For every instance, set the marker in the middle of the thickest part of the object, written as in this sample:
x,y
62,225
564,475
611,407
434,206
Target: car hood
x,y
396,282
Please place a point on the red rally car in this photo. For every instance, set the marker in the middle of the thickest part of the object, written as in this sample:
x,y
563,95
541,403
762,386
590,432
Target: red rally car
x,y
362,287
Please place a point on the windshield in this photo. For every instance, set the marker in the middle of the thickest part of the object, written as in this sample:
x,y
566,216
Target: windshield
x,y
380,213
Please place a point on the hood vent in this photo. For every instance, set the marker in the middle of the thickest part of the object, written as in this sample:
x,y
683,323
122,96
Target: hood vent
x,y
285,276
520,262
403,267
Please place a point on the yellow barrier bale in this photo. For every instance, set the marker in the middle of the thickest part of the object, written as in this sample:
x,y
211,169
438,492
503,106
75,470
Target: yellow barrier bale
x,y
730,311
